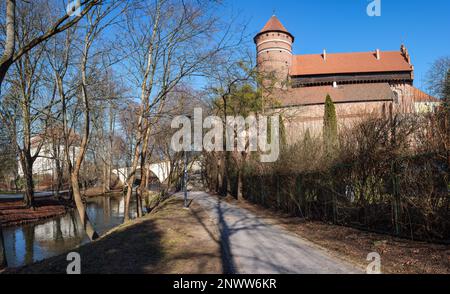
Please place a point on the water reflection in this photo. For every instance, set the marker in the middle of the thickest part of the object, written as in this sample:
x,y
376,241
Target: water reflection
x,y
33,242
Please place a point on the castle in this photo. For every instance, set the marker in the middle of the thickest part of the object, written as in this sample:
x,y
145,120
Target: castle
x,y
360,84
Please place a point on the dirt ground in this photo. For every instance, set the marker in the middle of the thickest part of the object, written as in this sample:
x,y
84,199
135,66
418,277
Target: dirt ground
x,y
171,240
14,212
398,256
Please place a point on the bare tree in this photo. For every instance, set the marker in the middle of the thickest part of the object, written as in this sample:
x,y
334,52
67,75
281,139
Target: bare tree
x,y
17,48
436,76
11,54
236,90
438,85
59,52
96,22
161,35
27,105
8,173
104,120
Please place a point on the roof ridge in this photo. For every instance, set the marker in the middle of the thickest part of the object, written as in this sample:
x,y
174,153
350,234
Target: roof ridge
x,y
356,52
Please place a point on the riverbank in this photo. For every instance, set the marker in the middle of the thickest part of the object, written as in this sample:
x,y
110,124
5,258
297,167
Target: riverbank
x,y
170,240
398,256
98,191
14,212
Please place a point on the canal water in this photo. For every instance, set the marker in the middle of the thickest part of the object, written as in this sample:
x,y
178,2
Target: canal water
x,y
30,243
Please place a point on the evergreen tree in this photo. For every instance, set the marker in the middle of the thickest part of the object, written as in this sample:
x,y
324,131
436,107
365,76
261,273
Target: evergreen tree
x,y
307,141
330,131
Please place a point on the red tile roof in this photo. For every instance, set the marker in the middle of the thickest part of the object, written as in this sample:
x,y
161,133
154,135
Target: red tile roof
x,y
342,63
274,25
420,96
340,94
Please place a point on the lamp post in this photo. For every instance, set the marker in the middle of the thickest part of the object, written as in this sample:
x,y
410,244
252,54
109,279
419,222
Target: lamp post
x,y
185,176
185,179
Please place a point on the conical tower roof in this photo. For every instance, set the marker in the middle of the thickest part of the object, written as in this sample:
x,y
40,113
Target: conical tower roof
x,y
274,25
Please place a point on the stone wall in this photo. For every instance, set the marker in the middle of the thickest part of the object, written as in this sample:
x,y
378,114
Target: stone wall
x,y
297,120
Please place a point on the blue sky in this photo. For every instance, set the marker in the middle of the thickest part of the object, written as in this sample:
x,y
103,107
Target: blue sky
x,y
344,26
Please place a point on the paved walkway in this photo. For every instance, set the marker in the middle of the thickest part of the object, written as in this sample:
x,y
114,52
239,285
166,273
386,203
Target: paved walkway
x,y
252,246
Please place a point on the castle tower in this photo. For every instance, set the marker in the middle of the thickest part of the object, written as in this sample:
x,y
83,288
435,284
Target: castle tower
x,y
274,50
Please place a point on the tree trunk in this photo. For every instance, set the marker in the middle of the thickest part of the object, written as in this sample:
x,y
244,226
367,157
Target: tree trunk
x,y
144,172
142,188
240,195
29,190
59,180
226,180
139,197
10,42
27,168
147,177
74,177
111,145
241,159
130,182
219,174
90,231
58,168
106,179
142,128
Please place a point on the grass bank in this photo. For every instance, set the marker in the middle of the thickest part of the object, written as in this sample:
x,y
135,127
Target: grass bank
x,y
171,240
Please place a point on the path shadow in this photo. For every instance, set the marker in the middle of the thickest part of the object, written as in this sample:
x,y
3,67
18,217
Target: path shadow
x,y
262,247
223,240
228,265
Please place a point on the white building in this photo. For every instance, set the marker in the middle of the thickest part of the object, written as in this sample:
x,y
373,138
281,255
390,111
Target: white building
x,y
45,163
